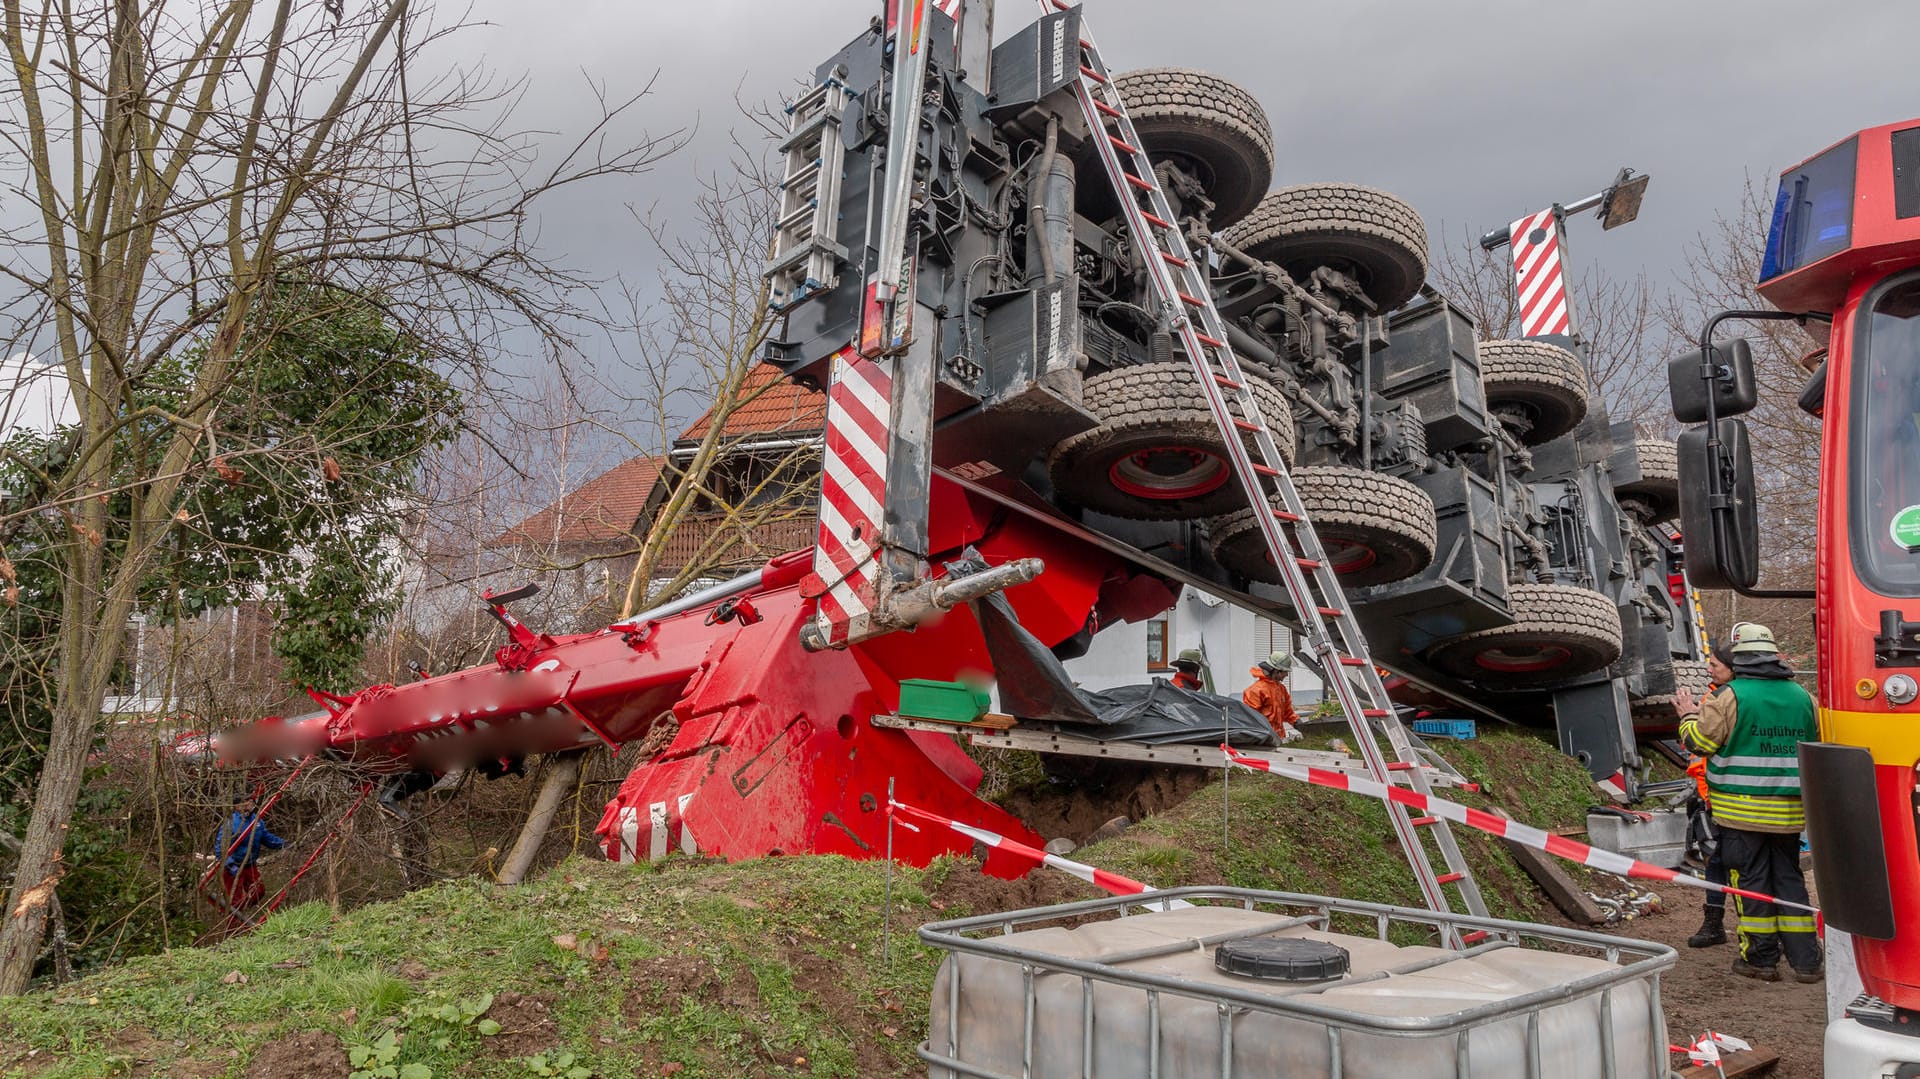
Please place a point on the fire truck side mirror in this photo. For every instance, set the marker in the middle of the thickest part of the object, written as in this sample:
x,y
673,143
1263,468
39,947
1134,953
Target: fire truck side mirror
x,y
1719,517
1725,372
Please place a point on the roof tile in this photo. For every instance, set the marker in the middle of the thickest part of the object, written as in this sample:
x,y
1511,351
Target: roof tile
x,y
604,508
778,407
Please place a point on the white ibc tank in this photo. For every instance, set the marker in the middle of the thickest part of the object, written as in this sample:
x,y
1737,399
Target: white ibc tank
x,y
1387,1018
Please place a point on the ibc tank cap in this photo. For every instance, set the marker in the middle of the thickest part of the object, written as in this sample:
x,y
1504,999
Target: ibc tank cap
x,y
1282,959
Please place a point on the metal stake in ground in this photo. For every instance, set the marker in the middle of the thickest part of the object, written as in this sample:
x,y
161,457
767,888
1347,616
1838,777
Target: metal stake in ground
x,y
1226,773
886,925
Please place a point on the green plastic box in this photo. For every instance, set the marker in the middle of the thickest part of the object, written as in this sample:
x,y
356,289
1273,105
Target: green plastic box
x,y
948,702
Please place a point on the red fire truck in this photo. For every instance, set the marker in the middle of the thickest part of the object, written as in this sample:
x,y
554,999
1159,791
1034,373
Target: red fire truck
x,y
1843,258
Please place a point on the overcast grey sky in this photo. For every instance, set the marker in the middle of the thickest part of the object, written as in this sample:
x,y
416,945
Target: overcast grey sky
x,y
1475,111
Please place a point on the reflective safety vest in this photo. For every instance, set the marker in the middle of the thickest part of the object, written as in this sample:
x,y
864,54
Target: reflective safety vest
x,y
1755,774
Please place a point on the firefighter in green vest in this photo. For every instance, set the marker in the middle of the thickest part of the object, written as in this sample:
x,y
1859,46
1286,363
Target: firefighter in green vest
x,y
1750,731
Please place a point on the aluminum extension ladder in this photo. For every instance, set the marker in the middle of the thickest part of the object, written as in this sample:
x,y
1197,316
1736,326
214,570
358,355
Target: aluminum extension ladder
x,y
1332,634
806,249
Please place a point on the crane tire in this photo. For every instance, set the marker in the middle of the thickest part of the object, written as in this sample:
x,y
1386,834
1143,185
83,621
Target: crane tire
x,y
1658,487
1558,632
1658,714
1374,528
1364,232
1545,383
1212,128
1157,454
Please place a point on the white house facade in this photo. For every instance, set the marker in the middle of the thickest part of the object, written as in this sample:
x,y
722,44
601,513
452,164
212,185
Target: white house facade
x,y
1233,640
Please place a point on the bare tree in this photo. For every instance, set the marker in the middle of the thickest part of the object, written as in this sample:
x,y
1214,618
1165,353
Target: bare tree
x,y
703,339
174,160
697,344
1618,319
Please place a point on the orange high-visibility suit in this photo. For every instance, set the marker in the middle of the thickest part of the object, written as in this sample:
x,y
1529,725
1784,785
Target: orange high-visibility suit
x,y
1698,770
1269,697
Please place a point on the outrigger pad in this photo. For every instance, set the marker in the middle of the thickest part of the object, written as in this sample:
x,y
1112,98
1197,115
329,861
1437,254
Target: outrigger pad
x,y
515,595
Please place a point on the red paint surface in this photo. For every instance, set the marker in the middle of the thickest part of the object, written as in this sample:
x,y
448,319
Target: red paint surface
x,y
1848,613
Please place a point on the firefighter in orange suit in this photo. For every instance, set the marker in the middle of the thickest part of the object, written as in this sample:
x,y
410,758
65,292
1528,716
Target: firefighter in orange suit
x,y
1190,671
1268,695
1700,824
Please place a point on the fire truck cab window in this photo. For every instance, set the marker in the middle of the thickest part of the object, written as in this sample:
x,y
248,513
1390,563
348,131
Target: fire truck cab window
x,y
1886,440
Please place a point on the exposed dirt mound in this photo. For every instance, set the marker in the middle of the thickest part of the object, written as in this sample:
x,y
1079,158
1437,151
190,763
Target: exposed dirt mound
x,y
526,1025
967,891
1091,793
830,984
829,974
664,982
312,1054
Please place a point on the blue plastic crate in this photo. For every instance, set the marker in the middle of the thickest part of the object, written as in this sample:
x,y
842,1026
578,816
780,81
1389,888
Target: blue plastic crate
x,y
1460,729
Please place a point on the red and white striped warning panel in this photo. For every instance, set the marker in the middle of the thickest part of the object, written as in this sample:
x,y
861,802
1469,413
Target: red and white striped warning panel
x,y
1526,835
1615,785
664,831
1539,277
1109,882
853,490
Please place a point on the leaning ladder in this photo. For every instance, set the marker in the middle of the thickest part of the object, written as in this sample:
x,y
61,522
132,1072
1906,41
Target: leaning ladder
x,y
1332,634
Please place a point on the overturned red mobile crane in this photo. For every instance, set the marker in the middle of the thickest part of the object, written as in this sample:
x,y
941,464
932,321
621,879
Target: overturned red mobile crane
x,y
1075,360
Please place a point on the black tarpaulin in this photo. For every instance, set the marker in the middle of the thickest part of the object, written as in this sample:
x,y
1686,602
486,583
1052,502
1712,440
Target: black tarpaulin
x,y
1033,685
1161,713
1036,688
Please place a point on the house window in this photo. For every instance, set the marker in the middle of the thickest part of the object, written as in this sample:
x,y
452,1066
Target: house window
x,y
1157,635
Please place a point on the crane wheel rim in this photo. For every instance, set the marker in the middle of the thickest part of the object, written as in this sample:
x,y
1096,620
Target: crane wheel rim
x,y
1346,554
1523,658
1135,474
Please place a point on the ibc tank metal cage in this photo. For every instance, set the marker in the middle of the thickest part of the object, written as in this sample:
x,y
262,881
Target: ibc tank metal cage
x,y
992,937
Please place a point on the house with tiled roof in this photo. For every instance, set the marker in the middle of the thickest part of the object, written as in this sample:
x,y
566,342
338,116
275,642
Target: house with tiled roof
x,y
758,499
598,514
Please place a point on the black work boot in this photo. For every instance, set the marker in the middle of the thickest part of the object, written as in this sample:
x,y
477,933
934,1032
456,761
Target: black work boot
x,y
1748,970
1712,929
1803,955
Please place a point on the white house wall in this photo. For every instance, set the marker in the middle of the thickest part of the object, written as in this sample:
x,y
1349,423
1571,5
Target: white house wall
x,y
1232,638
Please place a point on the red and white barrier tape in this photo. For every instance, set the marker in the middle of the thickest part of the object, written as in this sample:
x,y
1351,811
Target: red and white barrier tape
x,y
1523,834
1110,882
1706,1050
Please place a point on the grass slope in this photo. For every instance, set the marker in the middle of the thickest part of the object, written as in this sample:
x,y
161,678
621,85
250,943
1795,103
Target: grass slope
x,y
1283,835
695,968
769,967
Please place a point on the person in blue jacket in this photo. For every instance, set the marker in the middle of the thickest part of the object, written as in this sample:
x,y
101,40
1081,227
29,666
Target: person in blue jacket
x,y
238,844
